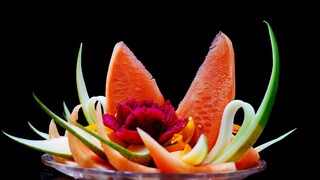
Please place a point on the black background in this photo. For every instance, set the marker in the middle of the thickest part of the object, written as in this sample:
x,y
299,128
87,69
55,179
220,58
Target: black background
x,y
40,41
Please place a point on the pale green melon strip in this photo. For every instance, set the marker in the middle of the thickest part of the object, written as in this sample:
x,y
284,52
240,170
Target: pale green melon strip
x,y
269,143
225,133
92,139
54,146
82,90
92,143
42,134
198,153
246,137
66,114
88,104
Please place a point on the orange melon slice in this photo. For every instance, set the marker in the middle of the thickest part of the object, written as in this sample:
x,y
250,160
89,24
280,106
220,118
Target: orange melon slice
x,y
248,159
211,90
81,153
54,133
128,78
168,163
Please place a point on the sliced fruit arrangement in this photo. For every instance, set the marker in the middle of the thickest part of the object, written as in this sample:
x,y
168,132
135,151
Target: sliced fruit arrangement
x,y
134,128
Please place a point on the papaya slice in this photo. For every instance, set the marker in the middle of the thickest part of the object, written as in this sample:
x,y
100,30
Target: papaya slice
x,y
211,90
169,163
128,78
248,159
54,133
81,153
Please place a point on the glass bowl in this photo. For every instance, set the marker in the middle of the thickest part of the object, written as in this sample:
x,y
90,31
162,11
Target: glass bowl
x,y
91,173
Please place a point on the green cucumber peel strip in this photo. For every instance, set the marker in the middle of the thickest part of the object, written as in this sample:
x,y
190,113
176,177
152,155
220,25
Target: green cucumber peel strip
x,y
269,143
87,136
55,146
41,134
82,90
66,115
249,134
66,112
91,142
141,158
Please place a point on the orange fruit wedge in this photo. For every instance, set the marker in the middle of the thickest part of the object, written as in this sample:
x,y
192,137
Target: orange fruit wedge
x,y
128,78
211,90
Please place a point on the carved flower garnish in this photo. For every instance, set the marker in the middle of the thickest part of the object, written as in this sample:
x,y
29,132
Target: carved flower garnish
x,y
160,121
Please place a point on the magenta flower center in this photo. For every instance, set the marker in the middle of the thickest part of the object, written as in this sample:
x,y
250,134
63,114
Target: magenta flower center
x,y
159,121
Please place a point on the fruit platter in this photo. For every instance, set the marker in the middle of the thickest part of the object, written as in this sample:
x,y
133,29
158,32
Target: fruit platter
x,y
134,132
